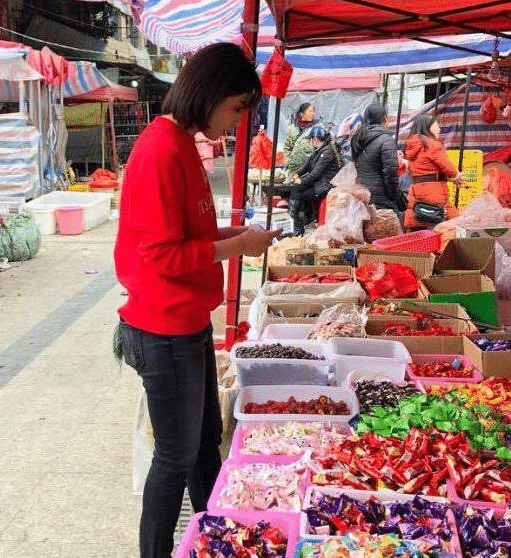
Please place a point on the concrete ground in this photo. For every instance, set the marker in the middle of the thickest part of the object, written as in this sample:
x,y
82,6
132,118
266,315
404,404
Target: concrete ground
x,y
66,408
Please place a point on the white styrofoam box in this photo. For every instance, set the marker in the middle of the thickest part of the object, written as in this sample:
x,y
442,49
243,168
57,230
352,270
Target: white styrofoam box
x,y
344,364
279,371
286,331
379,348
385,496
96,208
262,394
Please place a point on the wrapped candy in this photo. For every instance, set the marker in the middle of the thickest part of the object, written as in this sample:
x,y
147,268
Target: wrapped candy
x,y
414,519
486,344
263,486
482,534
420,463
222,537
291,438
484,428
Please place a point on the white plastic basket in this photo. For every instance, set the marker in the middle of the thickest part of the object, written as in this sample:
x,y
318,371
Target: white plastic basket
x,y
378,348
11,205
343,365
280,371
261,394
278,332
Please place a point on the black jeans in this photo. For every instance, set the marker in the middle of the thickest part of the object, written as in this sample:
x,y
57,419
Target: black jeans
x,y
179,377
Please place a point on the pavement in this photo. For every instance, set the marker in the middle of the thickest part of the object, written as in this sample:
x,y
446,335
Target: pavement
x,y
66,407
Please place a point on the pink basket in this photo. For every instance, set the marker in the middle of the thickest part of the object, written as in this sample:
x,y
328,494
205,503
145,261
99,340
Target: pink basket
x,y
417,241
498,507
419,359
70,219
287,523
223,477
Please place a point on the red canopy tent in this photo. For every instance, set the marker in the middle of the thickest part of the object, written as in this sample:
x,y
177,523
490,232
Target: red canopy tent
x,y
303,23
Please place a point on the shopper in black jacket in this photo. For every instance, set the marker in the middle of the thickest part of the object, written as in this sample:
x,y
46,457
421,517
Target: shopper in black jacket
x,y
375,155
311,182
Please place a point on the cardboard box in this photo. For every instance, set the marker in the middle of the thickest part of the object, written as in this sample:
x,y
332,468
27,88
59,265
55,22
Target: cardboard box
x,y
467,255
279,271
377,326
450,309
275,289
475,292
437,345
422,263
501,232
489,363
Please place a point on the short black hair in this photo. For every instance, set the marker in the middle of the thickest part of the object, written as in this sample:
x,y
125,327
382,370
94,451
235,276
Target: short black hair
x,y
375,113
317,131
210,76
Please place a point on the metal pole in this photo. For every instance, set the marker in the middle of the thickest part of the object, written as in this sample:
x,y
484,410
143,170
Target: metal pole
x,y
40,129
102,137
463,131
271,186
438,88
249,45
115,160
400,105
385,97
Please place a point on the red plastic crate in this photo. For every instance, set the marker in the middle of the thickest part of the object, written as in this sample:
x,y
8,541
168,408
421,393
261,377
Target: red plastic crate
x,y
417,241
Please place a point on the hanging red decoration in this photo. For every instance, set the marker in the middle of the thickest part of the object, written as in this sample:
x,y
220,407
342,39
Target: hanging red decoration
x,y
276,75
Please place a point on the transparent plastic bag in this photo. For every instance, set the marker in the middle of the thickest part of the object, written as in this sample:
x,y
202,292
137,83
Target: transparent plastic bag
x,y
382,224
143,445
346,224
345,182
341,320
502,272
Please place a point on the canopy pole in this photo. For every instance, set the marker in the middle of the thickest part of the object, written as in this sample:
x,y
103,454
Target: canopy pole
x,y
102,137
463,131
271,185
385,97
241,153
438,89
112,136
400,105
40,140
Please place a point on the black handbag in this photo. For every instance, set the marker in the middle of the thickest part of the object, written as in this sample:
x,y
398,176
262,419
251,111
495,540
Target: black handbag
x,y
428,212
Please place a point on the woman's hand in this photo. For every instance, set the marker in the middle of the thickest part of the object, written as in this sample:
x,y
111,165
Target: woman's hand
x,y
297,179
255,240
459,179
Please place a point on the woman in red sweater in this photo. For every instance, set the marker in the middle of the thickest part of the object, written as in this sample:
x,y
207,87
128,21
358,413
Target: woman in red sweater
x,y
168,257
429,167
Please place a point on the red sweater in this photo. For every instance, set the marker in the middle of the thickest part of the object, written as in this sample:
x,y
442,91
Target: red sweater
x,y
167,225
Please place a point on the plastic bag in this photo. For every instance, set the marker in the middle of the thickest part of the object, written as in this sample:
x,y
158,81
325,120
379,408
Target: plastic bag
x,y
20,237
488,111
498,182
320,239
382,224
502,272
260,152
346,224
345,182
143,445
388,280
276,75
341,320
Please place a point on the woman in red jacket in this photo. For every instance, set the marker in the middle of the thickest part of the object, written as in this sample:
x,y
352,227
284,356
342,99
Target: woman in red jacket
x,y
430,168
168,257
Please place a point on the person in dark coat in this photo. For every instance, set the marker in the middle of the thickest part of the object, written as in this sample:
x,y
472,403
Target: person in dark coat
x,y
311,182
375,155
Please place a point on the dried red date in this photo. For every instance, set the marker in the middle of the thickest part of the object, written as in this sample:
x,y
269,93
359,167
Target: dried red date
x,y
323,405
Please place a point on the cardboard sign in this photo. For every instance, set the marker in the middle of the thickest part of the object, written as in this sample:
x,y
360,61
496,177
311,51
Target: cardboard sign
x,y
473,171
